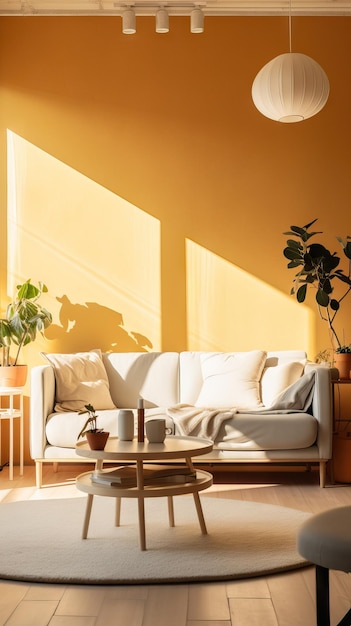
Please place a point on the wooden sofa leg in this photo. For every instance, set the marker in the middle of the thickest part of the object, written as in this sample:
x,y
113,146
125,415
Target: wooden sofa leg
x,y
38,474
322,473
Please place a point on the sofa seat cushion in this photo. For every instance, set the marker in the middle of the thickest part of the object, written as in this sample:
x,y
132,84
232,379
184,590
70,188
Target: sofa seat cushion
x,y
62,429
275,431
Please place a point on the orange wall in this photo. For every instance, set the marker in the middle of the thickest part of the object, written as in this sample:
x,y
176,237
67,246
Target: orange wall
x,y
142,180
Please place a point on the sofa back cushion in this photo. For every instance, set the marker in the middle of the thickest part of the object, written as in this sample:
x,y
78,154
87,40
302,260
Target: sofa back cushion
x,y
277,379
222,379
80,379
153,376
191,374
282,369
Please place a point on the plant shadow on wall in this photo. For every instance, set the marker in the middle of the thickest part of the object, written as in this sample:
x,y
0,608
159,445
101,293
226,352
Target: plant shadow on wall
x,y
91,325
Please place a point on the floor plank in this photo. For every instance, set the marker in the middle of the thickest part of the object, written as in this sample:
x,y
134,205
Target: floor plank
x,y
81,600
253,612
32,613
208,602
166,604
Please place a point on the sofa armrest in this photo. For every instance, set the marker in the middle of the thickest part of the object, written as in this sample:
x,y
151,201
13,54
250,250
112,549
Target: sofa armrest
x,y
42,400
322,408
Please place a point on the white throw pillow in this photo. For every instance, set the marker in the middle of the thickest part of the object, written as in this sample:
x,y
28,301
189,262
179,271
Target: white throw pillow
x,y
278,378
81,379
231,379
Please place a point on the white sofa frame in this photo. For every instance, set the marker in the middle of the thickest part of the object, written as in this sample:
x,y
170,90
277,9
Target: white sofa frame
x,y
43,399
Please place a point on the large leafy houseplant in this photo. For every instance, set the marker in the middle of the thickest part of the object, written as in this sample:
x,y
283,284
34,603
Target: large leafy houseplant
x,y
24,318
318,269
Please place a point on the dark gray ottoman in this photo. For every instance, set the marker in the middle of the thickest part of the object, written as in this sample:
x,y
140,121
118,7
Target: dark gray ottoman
x,y
325,541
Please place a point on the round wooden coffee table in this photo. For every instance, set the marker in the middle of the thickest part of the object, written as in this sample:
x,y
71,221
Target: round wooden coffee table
x,y
139,453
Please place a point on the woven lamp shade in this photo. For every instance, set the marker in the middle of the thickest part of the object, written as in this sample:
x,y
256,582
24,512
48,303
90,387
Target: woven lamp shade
x,y
290,88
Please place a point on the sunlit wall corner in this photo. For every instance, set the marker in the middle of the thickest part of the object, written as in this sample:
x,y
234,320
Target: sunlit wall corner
x,y
229,309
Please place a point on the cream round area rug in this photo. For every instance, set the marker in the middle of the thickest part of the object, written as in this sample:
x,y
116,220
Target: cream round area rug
x,y
41,541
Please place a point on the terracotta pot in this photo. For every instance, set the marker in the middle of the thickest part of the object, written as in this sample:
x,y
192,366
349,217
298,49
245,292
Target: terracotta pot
x,y
97,441
342,362
342,458
13,375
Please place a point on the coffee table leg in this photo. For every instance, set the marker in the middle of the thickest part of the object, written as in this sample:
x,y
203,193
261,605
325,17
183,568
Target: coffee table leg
x,y
141,506
87,516
200,513
170,511
118,511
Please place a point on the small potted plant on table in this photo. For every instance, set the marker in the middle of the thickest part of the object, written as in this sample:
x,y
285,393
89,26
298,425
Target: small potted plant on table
x,y
96,437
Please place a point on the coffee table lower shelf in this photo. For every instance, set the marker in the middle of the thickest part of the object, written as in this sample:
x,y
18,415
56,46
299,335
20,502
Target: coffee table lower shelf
x,y
168,490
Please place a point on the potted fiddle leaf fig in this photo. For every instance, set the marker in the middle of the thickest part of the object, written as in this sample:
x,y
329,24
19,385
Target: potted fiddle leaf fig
x,y
24,318
96,437
319,269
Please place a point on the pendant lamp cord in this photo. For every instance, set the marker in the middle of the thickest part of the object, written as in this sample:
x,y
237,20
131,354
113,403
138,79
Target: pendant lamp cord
x,y
290,38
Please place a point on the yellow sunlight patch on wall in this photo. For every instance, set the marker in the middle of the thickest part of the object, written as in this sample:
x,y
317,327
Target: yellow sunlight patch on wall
x,y
98,254
229,309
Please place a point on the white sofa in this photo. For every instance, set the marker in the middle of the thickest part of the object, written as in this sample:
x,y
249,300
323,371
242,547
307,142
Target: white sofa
x,y
258,407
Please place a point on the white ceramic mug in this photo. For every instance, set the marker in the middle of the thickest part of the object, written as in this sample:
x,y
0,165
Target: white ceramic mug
x,y
156,431
125,425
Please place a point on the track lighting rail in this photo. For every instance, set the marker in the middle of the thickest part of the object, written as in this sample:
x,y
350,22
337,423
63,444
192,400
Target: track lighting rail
x,y
145,7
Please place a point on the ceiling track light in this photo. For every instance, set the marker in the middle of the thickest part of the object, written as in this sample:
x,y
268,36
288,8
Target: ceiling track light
x,y
128,22
196,21
162,20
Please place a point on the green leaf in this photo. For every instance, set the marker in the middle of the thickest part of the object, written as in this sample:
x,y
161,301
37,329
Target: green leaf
x,y
301,293
327,287
27,290
322,298
298,230
294,264
345,279
334,305
311,224
292,243
292,254
316,250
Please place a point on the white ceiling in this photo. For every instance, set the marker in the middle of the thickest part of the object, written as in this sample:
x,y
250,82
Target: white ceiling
x,y
180,7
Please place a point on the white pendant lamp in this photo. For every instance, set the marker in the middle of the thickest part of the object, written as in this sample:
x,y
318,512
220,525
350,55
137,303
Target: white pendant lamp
x,y
290,88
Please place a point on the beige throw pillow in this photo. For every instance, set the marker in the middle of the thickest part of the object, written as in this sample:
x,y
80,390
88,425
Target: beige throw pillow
x,y
278,378
231,379
81,379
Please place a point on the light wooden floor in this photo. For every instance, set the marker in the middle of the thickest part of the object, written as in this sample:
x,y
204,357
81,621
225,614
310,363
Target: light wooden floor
x,y
281,600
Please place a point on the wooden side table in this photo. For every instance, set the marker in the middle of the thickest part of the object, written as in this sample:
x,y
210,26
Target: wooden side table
x,y
339,383
11,413
340,465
